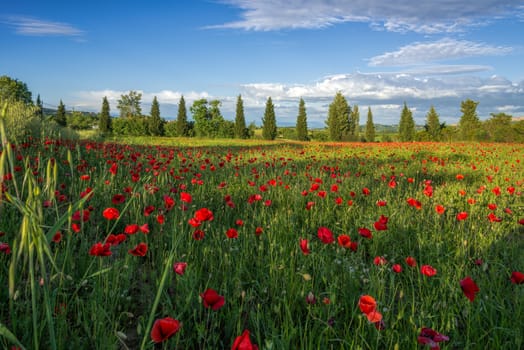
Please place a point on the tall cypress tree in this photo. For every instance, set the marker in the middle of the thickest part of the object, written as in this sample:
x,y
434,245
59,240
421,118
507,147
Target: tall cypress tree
x,y
104,120
338,117
433,124
469,124
269,122
156,124
406,127
61,114
354,120
240,121
370,127
301,127
39,107
181,119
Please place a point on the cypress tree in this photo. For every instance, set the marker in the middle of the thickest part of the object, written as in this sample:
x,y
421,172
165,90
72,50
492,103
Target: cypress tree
x,y
156,125
406,127
240,121
301,127
104,121
338,117
269,122
181,119
469,124
370,127
354,120
61,114
433,124
39,107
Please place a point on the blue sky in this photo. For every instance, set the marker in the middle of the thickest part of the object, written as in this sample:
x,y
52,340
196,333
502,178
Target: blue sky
x,y
378,53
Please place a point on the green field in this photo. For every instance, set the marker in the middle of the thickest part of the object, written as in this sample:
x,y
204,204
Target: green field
x,y
291,236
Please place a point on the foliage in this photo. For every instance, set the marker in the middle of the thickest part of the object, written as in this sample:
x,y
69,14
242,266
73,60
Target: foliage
x,y
433,126
134,126
406,127
155,122
13,90
269,121
60,117
81,121
499,129
338,118
370,127
354,126
209,121
469,124
129,104
104,119
182,128
241,132
39,107
301,126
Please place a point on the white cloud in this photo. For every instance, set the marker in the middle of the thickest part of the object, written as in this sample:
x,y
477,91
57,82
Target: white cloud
x,y
31,26
398,16
444,49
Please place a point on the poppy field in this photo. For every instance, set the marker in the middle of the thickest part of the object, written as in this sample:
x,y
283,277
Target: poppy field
x,y
268,246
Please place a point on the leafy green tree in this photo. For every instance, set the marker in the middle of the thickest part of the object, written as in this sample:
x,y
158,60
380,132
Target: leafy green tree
x,y
181,119
370,127
406,127
338,118
129,105
354,120
241,131
14,90
104,120
469,124
499,128
301,127
156,124
269,122
60,117
433,126
202,118
39,107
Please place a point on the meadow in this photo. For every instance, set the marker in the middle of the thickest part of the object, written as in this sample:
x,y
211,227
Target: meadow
x,y
275,245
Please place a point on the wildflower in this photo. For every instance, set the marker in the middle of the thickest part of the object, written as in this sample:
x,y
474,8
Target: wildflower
x,y
198,235
462,216
211,299
469,287
164,329
304,246
517,277
243,342
428,270
410,261
440,209
5,248
179,268
381,224
364,232
397,268
232,233
100,249
325,235
204,214
111,213
139,250
344,241
430,337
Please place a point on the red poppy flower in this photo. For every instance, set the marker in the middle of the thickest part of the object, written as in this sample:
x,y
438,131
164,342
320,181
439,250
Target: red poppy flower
x,y
353,246
144,228
381,224
410,261
381,203
198,235
111,213
139,250
364,232
204,214
397,268
131,229
414,203
115,239
430,337
517,277
367,304
428,270
168,202
57,237
179,268
100,249
118,199
374,316
469,287
232,233
149,210
428,191
160,219
344,241
5,248
194,222
211,299
462,216
304,246
366,191
493,218
258,231
243,342
113,169
379,260
164,328
325,235
76,227
440,209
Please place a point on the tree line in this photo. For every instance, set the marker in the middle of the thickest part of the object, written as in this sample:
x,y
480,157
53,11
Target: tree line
x,y
342,122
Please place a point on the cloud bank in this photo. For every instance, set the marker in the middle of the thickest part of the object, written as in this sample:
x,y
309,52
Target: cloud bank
x,y
396,16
